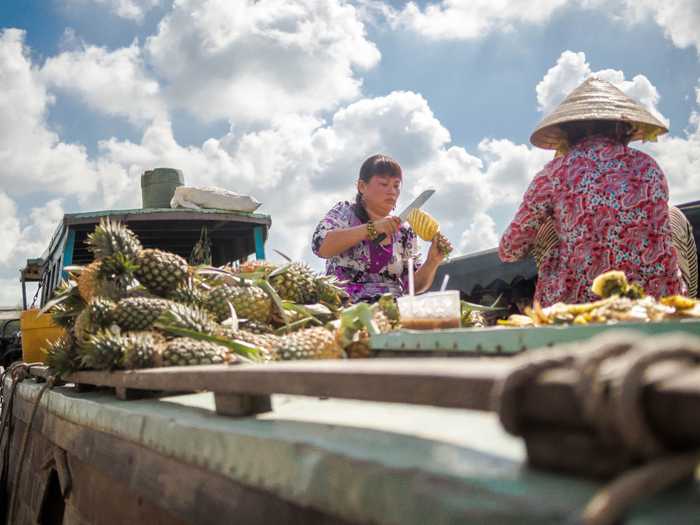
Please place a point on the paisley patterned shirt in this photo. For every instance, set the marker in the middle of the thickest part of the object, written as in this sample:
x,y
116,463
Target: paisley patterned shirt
x,y
609,206
367,270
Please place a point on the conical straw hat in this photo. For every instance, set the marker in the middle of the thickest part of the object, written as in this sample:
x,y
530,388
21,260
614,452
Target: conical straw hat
x,y
596,99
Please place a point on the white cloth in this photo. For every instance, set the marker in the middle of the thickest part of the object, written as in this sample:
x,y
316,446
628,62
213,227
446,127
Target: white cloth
x,y
213,198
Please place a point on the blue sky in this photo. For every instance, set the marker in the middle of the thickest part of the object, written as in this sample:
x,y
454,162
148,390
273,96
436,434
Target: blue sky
x,y
284,99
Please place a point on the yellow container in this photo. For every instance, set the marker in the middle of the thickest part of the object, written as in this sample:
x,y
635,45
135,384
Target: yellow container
x,y
37,331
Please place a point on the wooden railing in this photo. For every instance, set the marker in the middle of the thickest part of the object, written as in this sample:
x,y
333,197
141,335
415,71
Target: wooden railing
x,y
672,400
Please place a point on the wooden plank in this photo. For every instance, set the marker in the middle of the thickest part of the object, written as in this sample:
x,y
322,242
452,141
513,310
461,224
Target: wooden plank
x,y
672,403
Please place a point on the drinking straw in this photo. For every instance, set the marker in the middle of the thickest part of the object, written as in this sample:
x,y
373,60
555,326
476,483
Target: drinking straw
x,y
444,282
411,285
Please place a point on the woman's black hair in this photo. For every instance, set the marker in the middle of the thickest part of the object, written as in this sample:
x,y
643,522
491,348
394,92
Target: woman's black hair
x,y
616,130
375,165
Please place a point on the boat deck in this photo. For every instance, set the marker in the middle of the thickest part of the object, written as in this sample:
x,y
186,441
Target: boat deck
x,y
326,460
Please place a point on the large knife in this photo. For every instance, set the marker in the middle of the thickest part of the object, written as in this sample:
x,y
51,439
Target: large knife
x,y
417,203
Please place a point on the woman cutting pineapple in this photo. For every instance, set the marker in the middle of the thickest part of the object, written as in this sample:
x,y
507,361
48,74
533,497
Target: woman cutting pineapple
x,y
346,237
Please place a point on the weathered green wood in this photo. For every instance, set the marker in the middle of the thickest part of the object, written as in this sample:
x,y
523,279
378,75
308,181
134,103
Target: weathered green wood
x,y
366,463
503,340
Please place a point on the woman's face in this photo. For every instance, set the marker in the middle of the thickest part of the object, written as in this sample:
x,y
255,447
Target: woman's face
x,y
380,193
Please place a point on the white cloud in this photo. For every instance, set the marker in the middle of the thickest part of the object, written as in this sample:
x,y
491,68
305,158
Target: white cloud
x,y
128,9
510,167
299,167
23,237
110,82
480,235
679,19
251,61
472,19
32,158
572,69
475,19
679,157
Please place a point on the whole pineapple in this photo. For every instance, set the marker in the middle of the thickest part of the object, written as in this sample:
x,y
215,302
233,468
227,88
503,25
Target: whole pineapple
x,y
190,292
184,351
93,281
83,327
188,318
160,272
70,304
295,282
310,343
101,311
102,351
141,349
249,302
266,343
62,355
138,313
330,292
115,246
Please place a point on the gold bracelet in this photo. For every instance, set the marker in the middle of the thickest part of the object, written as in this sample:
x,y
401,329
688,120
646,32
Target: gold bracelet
x,y
371,231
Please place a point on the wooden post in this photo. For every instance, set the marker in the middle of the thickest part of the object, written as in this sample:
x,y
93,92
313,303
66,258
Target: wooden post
x,y
241,405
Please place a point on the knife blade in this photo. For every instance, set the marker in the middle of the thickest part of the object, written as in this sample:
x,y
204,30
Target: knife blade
x,y
416,203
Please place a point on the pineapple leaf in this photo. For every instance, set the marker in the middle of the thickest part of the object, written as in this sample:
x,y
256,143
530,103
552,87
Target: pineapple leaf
x,y
276,300
241,348
358,316
301,322
482,308
283,255
279,271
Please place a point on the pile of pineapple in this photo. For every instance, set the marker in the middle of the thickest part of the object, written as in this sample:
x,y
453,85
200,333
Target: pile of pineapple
x,y
620,301
138,308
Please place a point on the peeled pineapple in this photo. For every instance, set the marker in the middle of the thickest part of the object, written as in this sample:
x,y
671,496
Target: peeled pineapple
x,y
427,228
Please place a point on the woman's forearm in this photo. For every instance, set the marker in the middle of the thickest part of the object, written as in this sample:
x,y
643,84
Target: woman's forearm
x,y
342,239
425,276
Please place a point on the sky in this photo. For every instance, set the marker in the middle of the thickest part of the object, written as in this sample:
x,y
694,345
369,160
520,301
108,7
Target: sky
x,y
284,99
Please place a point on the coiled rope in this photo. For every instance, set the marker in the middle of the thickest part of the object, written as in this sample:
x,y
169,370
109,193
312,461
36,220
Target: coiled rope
x,y
611,370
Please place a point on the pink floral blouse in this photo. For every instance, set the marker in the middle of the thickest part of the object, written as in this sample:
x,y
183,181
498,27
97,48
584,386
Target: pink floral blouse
x,y
609,205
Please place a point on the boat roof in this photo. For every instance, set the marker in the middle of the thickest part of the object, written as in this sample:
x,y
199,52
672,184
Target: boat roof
x,y
484,268
181,221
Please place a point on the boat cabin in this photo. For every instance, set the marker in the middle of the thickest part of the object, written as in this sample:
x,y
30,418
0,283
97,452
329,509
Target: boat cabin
x,y
482,278
234,236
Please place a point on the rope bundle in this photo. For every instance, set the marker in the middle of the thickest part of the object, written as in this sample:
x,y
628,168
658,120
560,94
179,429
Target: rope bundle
x,y
610,371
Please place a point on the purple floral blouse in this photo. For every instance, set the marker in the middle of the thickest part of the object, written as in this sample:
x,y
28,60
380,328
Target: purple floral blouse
x,y
367,270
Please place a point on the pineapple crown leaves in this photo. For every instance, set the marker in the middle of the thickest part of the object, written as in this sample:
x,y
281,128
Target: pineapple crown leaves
x,y
354,319
61,356
232,321
482,308
311,315
276,299
103,351
191,318
244,350
112,237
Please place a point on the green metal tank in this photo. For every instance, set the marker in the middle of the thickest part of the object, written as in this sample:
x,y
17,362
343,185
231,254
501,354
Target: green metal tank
x,y
158,186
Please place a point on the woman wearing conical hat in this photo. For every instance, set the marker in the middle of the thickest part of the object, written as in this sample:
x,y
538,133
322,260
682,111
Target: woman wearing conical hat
x,y
608,203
